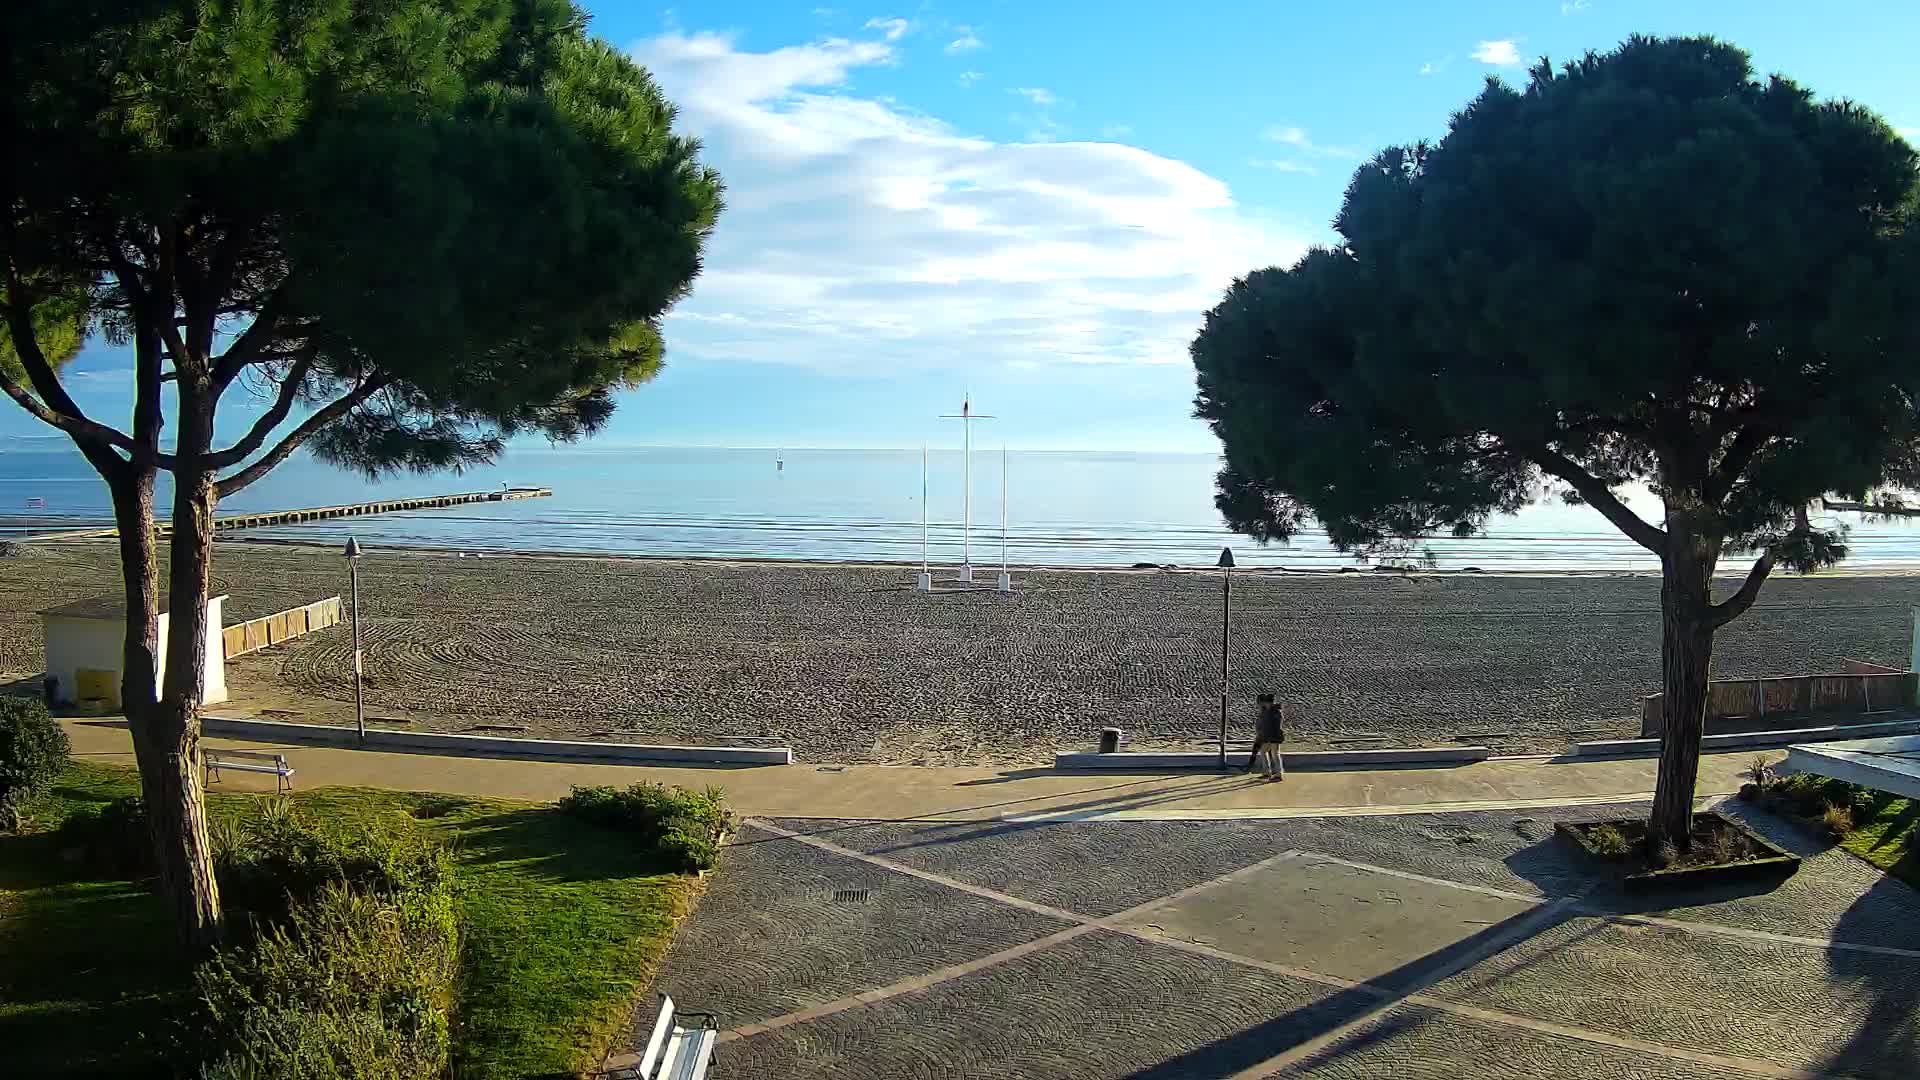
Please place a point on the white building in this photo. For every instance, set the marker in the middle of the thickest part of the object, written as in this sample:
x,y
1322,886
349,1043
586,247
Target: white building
x,y
86,641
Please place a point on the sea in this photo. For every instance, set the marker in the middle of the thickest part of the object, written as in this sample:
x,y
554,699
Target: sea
x,y
1028,508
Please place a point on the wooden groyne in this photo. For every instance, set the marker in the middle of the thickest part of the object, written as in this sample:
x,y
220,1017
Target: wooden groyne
x,y
1886,508
320,513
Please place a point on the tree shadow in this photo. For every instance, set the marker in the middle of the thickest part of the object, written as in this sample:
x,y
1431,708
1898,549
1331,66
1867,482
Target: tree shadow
x,y
546,843
1886,1042
1251,1046
89,969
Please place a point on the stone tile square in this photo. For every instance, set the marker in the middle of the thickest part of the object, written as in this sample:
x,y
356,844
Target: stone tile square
x,y
770,936
1414,1043
1830,1011
1100,1007
1324,916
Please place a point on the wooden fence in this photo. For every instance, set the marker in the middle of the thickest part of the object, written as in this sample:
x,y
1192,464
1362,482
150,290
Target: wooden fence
x,y
1866,688
256,634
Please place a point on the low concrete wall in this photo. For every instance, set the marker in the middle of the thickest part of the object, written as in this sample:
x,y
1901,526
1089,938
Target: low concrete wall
x,y
1754,739
1302,759
1793,696
492,746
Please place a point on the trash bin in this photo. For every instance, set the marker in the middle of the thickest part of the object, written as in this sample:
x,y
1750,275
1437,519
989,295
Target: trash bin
x,y
1109,740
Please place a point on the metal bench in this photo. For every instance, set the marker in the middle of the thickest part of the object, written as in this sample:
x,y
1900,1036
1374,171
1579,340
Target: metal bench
x,y
249,761
676,1052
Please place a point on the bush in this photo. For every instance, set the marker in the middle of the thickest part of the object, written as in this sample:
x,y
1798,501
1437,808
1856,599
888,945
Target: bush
x,y
1837,821
1609,841
277,859
10,549
112,838
352,986
351,966
33,750
684,827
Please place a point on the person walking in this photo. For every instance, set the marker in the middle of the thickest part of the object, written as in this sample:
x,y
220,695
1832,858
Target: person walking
x,y
1269,732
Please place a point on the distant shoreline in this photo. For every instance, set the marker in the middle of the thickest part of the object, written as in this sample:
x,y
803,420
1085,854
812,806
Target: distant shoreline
x,y
1732,568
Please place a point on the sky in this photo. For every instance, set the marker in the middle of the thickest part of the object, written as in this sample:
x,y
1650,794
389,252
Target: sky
x,y
1034,203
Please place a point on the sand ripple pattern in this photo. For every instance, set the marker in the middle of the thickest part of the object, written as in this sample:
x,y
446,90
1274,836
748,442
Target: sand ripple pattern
x,y
847,663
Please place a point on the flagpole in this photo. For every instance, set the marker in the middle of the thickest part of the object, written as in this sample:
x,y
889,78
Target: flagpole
x,y
966,416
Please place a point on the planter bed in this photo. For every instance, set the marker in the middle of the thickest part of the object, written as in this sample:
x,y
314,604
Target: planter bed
x,y
1755,857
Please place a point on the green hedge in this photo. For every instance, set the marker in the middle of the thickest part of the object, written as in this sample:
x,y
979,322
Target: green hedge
x,y
33,750
351,965
682,827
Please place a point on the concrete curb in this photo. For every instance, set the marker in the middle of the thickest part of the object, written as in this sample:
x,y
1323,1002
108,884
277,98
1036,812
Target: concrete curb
x,y
1301,759
1744,739
493,746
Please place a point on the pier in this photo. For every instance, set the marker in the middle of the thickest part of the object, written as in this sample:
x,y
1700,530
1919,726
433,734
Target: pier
x,y
268,518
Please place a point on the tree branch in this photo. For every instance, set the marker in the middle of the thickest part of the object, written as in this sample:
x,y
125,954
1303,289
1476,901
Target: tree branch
x,y
1601,498
54,405
272,418
159,300
334,410
1746,443
250,346
1731,608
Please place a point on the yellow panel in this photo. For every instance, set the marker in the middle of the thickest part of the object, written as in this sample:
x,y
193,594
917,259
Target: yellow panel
x,y
104,685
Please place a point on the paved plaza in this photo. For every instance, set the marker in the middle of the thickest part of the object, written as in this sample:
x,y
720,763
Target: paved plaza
x,y
1438,945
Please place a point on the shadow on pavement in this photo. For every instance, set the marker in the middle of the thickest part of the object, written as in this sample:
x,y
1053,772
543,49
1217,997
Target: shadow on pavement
x,y
1131,801
1257,1044
1887,1042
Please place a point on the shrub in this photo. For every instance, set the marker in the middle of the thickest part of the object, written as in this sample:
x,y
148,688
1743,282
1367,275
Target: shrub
x,y
1761,771
1837,821
683,826
1609,841
33,750
10,549
351,966
353,985
112,838
278,858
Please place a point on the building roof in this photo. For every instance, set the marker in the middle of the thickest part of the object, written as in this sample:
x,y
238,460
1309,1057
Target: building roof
x,y
102,608
1889,764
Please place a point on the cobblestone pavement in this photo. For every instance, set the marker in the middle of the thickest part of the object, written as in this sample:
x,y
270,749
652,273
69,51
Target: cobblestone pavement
x,y
1456,946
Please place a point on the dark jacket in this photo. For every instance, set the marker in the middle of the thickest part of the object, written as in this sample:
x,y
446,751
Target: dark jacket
x,y
1269,729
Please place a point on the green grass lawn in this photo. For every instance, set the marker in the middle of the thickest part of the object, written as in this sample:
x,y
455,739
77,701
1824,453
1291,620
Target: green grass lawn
x,y
1886,840
561,924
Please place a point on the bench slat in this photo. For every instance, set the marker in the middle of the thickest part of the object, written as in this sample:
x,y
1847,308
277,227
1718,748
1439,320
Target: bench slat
x,y
698,1051
662,1029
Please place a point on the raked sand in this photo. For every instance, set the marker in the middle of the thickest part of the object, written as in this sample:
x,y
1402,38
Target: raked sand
x,y
848,664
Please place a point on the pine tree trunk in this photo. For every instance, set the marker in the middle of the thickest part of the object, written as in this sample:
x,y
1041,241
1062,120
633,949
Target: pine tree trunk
x,y
175,794
1686,656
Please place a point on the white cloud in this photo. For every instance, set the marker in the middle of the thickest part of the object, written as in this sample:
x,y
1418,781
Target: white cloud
x,y
966,41
895,28
968,78
1039,95
862,236
1908,132
1116,131
1299,140
1435,67
1502,53
1289,167
1574,7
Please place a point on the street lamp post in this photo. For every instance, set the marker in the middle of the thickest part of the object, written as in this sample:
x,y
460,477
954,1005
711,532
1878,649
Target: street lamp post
x,y
359,697
1226,633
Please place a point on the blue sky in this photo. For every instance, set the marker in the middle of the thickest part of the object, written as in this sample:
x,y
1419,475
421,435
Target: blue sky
x,y
1037,201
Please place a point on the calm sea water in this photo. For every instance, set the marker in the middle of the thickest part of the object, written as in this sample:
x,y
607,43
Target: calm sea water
x,y
1063,509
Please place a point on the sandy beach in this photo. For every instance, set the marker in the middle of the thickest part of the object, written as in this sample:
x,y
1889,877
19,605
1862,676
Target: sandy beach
x,y
848,664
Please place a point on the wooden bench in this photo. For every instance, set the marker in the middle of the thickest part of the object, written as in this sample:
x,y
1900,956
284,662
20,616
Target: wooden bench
x,y
249,761
677,1052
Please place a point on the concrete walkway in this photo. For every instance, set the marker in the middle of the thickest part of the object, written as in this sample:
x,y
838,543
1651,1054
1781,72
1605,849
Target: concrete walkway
x,y
901,793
